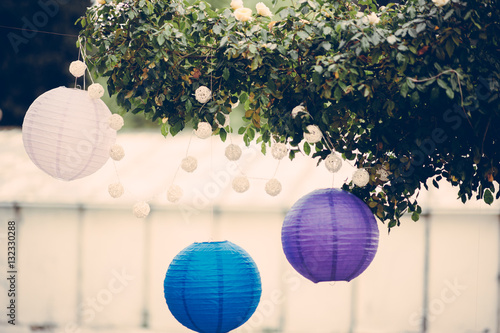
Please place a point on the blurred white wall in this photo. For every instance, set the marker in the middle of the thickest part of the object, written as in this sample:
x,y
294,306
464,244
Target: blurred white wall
x,y
86,264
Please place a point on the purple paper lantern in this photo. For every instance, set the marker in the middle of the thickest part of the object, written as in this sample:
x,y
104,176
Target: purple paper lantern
x,y
330,235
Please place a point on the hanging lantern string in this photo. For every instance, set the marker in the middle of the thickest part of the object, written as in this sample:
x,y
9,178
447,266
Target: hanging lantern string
x,y
85,58
80,55
39,31
328,143
276,170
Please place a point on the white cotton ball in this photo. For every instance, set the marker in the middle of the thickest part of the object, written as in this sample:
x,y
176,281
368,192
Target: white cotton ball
x,y
116,122
116,190
333,163
116,152
141,209
77,68
273,187
204,130
279,150
233,152
314,134
298,109
189,164
240,184
96,91
174,193
203,94
360,177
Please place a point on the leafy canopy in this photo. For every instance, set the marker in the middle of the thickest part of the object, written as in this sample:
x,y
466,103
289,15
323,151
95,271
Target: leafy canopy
x,y
410,90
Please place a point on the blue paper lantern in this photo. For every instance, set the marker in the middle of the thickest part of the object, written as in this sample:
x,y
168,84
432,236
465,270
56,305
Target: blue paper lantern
x,y
330,235
212,287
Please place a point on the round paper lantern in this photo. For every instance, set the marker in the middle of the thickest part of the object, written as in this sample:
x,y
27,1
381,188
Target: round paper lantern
x,y
66,133
212,287
330,235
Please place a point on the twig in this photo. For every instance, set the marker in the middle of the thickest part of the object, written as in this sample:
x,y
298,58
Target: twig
x,y
459,87
484,136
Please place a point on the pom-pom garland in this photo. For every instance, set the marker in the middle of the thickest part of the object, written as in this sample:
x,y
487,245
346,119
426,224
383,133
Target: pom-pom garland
x,y
333,163
233,152
116,122
203,94
96,91
189,164
77,68
141,209
240,184
273,187
361,177
314,135
174,193
115,190
116,152
279,150
204,130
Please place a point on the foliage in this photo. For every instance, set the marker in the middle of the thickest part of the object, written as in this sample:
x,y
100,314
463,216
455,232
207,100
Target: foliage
x,y
415,94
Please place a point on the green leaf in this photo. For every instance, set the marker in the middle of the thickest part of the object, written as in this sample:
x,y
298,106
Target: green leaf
x,y
450,47
404,89
243,97
225,74
164,129
307,148
415,216
488,197
160,39
223,134
303,34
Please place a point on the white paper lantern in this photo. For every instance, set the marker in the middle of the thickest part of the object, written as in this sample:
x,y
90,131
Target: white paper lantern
x,y
204,130
314,134
189,164
240,184
333,163
279,150
273,187
361,177
233,152
77,68
67,134
116,190
96,91
116,152
141,209
174,193
116,122
203,94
